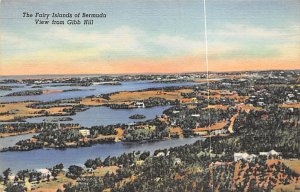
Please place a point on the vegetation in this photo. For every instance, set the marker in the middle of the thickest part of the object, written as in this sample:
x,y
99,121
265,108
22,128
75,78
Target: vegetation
x,y
137,116
26,93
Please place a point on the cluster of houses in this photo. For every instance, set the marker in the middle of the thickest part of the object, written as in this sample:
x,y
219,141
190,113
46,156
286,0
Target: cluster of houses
x,y
251,157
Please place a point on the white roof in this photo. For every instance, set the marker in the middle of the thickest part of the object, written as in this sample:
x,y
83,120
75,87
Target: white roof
x,y
241,154
273,152
263,153
43,171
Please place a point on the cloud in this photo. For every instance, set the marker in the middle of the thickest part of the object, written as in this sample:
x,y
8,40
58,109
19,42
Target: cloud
x,y
119,43
14,41
290,51
64,45
257,42
250,32
129,41
177,43
119,39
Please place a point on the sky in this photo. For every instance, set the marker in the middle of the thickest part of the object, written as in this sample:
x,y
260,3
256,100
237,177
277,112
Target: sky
x,y
150,36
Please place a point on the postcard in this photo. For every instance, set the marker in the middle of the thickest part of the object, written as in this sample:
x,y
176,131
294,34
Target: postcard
x,y
148,95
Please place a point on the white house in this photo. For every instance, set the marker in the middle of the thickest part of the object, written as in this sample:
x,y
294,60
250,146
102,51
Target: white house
x,y
261,104
84,132
160,154
44,172
271,154
244,156
222,131
239,156
139,104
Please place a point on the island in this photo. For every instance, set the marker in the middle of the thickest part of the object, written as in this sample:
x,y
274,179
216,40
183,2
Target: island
x,y
137,116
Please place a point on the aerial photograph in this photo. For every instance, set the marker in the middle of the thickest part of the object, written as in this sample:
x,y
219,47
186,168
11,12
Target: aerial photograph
x,y
148,95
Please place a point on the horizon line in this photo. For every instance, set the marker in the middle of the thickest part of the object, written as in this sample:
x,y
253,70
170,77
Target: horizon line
x,y
106,74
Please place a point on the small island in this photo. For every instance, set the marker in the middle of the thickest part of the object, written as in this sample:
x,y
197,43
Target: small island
x,y
112,83
26,93
6,88
137,116
60,119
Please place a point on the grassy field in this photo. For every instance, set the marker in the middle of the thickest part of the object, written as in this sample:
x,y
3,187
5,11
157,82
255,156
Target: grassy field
x,y
101,171
53,185
176,131
139,95
22,110
223,107
293,164
129,96
217,94
249,107
216,126
292,105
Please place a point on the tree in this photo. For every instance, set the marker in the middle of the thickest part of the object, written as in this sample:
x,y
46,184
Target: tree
x,y
74,171
15,188
6,174
56,170
59,166
89,163
144,155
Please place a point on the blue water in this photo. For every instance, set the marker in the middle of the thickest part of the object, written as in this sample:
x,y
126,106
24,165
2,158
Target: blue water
x,y
106,116
11,141
93,116
85,91
77,156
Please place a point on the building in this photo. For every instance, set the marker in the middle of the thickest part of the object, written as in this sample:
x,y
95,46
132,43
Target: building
x,y
250,157
45,173
139,104
271,154
198,131
85,132
194,100
244,156
261,104
221,131
239,156
202,93
160,154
